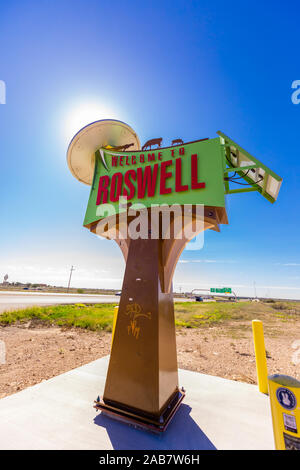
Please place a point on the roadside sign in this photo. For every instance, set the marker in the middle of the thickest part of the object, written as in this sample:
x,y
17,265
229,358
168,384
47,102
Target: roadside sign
x,y
221,290
188,174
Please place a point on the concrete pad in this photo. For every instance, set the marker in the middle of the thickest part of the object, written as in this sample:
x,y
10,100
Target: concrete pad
x,y
58,414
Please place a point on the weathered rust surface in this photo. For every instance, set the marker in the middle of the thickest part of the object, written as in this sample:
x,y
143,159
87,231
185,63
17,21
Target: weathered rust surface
x,y
142,377
142,372
156,425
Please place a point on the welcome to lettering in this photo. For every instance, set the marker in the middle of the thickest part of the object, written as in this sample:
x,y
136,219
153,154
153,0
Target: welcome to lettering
x,y
123,160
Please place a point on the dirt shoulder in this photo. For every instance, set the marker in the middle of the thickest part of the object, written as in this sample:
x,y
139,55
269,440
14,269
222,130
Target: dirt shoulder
x,y
215,352
35,353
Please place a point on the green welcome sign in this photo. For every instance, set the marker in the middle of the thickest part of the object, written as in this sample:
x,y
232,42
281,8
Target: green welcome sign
x,y
186,174
196,173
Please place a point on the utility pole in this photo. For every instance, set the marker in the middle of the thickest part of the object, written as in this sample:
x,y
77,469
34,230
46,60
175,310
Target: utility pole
x,y
255,294
71,271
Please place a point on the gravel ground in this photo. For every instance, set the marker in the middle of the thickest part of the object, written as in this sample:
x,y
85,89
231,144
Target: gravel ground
x,y
35,353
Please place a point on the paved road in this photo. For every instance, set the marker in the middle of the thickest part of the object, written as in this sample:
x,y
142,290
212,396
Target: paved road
x,y
17,300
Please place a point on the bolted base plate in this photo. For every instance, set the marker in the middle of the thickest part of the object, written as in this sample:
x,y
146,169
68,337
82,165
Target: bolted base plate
x,y
156,425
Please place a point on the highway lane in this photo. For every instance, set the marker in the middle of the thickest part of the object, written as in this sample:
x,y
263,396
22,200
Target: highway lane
x,y
18,300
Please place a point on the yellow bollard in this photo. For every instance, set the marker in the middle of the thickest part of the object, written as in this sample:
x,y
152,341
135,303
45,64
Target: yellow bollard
x,y
260,356
116,309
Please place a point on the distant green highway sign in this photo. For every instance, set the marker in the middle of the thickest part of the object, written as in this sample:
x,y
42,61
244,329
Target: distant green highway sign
x,y
221,290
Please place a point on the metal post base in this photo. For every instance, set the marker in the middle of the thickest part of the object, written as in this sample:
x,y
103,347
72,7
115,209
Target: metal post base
x,y
155,424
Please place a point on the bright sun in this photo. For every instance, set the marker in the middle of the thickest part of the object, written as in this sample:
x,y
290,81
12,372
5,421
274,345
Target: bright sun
x,y
85,113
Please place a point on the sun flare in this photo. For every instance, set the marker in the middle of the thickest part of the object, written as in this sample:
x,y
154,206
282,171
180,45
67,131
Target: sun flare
x,y
85,113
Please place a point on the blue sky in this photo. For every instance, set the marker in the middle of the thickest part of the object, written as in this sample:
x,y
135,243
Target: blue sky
x,y
168,68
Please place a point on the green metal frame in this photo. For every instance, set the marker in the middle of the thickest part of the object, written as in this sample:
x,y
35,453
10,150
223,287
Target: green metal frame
x,y
239,170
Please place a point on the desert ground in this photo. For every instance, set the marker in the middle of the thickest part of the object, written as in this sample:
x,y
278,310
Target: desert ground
x,y
214,339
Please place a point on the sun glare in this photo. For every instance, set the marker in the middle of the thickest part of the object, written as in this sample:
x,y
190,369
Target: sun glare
x,y
85,113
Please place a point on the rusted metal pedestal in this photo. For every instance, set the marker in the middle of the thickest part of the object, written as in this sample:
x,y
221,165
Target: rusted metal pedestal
x,y
142,380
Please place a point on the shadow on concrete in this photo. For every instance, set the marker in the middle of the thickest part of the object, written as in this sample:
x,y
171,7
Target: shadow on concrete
x,y
183,433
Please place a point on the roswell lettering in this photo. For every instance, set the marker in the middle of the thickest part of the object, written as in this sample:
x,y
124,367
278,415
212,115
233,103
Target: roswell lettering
x,y
144,181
